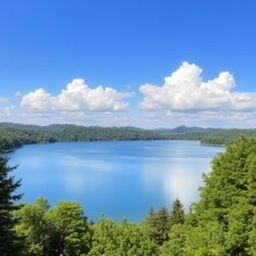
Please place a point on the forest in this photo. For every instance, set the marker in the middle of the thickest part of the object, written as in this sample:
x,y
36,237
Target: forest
x,y
222,222
13,136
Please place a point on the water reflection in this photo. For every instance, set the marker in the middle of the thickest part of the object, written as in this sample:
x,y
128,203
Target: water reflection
x,y
176,178
183,184
82,174
89,164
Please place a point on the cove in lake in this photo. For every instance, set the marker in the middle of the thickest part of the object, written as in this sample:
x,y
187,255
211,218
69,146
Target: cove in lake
x,y
119,179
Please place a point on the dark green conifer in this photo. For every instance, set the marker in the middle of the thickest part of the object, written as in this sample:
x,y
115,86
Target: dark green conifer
x,y
10,244
158,225
177,213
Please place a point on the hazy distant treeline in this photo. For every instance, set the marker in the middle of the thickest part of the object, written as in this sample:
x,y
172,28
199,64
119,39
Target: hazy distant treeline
x,y
15,135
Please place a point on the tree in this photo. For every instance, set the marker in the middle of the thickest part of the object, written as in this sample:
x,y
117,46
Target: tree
x,y
206,239
223,220
158,225
177,213
62,230
135,241
125,239
105,238
10,243
35,228
72,233
175,245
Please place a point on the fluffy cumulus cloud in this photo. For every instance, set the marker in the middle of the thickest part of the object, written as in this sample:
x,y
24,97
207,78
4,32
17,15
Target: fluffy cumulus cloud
x,y
185,91
76,97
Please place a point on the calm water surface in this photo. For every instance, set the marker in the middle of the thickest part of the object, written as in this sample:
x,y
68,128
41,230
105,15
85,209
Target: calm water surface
x,y
119,179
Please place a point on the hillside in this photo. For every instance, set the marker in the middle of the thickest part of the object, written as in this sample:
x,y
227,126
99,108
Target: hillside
x,y
15,135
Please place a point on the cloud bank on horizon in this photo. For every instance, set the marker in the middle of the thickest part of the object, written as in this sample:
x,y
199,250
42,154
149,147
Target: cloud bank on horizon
x,y
183,96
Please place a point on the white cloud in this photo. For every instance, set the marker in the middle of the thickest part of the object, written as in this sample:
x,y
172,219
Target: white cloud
x,y
76,97
7,111
185,91
184,98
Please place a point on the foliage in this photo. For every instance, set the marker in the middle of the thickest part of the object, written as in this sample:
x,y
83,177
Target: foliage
x,y
62,230
13,136
175,245
177,213
225,137
10,243
223,219
125,239
157,225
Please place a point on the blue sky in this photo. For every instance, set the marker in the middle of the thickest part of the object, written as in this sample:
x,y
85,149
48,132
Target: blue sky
x,y
123,45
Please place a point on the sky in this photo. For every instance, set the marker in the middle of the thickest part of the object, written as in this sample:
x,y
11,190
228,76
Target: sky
x,y
137,63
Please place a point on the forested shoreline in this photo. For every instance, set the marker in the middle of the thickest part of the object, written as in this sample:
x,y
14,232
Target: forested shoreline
x,y
221,223
13,136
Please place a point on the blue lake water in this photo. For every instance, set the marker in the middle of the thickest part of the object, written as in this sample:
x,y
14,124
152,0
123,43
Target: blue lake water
x,y
119,179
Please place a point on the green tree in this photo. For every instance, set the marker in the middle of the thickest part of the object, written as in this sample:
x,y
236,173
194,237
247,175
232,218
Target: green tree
x,y
176,243
72,234
157,225
125,239
177,215
105,238
35,228
223,220
206,239
62,230
10,243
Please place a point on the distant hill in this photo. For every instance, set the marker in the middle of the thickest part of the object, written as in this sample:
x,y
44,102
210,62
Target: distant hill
x,y
20,126
186,129
53,127
13,135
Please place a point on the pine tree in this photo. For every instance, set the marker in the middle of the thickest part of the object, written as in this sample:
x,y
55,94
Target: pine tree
x,y
177,213
9,242
158,226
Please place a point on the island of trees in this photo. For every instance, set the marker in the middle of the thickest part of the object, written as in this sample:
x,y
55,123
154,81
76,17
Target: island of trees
x,y
221,223
15,135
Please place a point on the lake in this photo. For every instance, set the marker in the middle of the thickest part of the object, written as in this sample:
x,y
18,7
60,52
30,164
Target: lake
x,y
119,179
